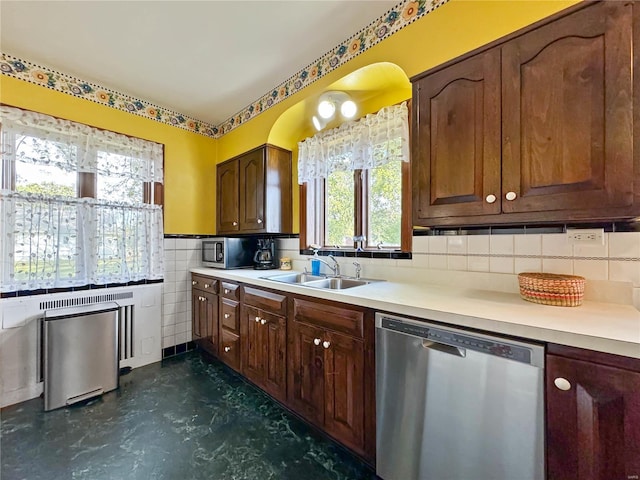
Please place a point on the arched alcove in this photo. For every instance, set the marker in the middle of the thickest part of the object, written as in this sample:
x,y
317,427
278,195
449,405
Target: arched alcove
x,y
371,87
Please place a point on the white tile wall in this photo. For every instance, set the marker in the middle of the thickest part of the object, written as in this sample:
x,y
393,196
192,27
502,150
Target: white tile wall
x,y
181,255
491,261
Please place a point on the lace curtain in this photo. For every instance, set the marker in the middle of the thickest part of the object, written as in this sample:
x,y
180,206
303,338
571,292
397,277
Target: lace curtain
x,y
50,241
372,141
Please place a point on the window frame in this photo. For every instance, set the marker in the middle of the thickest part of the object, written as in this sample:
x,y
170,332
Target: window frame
x,y
311,232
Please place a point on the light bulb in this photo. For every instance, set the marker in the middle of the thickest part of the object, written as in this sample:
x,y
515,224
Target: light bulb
x,y
326,109
316,123
348,109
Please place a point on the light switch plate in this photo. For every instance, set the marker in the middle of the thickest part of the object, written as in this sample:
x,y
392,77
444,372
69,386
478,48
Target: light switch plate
x,y
585,236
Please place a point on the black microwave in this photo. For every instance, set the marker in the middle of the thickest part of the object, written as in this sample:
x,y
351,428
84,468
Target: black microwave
x,y
228,252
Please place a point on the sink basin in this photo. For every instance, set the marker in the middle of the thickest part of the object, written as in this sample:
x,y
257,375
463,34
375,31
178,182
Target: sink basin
x,y
337,283
294,278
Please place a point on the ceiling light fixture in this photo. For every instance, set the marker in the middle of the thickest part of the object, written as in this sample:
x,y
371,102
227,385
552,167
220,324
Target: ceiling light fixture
x,y
318,123
330,101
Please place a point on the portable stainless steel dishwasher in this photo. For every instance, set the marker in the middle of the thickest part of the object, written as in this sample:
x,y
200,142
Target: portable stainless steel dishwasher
x,y
80,353
456,405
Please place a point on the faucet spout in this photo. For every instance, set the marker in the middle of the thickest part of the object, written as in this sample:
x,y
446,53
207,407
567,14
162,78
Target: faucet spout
x,y
335,268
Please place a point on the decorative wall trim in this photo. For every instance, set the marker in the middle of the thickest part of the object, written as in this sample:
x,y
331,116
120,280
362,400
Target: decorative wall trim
x,y
398,17
61,82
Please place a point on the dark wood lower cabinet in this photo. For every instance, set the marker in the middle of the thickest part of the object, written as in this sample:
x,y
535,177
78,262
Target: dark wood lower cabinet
x,y
264,350
330,372
205,320
593,420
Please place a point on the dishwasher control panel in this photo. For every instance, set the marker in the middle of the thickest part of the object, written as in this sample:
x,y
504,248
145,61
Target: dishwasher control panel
x,y
489,346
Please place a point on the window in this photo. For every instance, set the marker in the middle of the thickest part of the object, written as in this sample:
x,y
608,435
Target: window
x,y
77,204
353,180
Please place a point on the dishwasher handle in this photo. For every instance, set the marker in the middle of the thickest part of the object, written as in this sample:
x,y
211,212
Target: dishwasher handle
x,y
441,347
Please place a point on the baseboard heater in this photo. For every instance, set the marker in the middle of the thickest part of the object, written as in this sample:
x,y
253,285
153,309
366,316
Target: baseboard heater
x,y
80,351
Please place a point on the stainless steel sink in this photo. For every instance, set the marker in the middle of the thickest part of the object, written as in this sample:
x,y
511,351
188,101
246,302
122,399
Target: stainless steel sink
x,y
315,281
297,278
337,283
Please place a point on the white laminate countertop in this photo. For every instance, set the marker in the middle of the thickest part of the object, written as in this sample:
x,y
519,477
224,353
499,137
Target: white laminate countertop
x,y
604,327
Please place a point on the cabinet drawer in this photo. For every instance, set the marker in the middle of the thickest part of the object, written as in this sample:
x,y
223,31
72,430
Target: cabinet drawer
x,y
229,315
269,301
230,349
333,317
207,284
230,291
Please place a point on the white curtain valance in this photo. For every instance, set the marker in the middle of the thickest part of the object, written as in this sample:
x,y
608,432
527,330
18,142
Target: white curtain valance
x,y
370,142
26,135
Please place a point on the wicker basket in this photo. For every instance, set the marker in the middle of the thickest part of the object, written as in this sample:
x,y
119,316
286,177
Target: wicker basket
x,y
552,289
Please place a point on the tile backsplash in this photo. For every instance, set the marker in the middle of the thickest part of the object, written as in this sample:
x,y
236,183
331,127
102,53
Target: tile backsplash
x,y
489,262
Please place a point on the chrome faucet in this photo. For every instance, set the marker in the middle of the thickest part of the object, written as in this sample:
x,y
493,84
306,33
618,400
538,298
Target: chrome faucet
x,y
335,268
358,269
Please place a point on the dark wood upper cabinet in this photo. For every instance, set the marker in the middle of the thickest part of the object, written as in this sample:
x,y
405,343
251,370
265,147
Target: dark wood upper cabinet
x,y
456,156
254,192
227,197
593,420
537,128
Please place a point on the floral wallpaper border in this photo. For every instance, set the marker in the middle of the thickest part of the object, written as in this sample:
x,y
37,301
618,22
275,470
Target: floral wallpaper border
x,y
398,17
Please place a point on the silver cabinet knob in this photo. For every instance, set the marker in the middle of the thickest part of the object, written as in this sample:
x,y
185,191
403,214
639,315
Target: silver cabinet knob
x,y
510,196
235,224
193,282
204,299
316,341
206,285
227,315
227,349
262,321
226,290
326,344
491,198
259,220
257,319
562,384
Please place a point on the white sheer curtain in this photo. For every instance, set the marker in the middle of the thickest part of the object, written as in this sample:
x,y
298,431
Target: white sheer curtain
x,y
372,141
51,241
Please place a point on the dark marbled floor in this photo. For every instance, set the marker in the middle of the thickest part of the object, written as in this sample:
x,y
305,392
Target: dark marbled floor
x,y
184,418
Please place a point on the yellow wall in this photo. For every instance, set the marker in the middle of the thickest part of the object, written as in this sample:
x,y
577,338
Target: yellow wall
x,y
189,159
453,29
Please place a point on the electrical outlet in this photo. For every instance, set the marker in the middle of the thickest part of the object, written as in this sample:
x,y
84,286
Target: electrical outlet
x,y
585,236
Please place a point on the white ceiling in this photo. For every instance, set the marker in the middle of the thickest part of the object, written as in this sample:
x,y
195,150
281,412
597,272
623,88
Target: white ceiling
x,y
205,59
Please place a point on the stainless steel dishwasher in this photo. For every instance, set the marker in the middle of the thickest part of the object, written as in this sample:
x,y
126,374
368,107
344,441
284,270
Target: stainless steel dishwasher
x,y
456,405
80,353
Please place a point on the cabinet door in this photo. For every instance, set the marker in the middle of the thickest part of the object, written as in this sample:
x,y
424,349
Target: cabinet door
x,y
227,197
252,191
344,389
210,328
456,147
274,337
253,342
593,428
306,377
199,313
567,118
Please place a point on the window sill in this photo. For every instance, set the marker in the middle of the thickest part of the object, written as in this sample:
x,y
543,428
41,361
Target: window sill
x,y
350,252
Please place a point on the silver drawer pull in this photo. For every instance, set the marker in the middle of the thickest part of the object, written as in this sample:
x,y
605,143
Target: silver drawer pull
x,y
491,198
326,344
226,290
316,341
227,349
259,220
562,384
235,224
206,285
510,196
257,319
262,321
227,315
193,282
